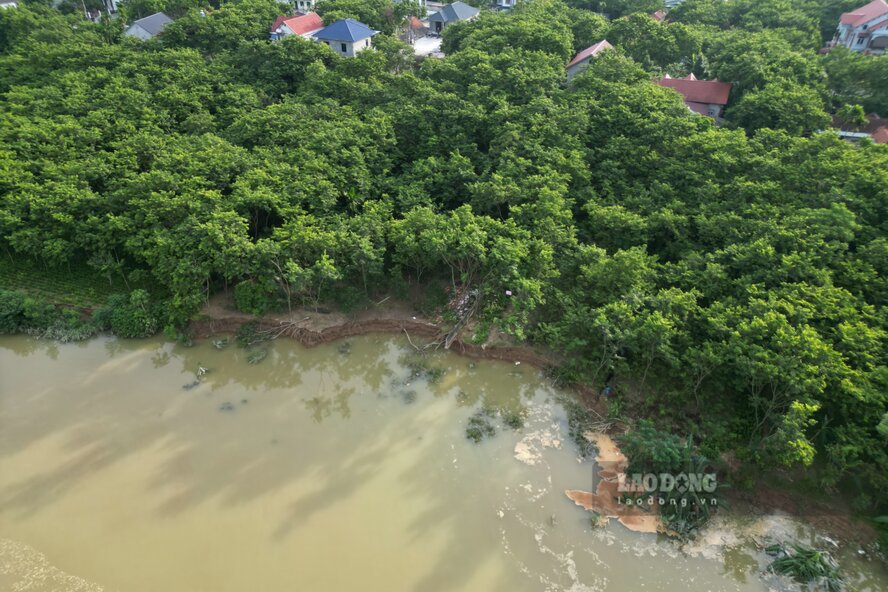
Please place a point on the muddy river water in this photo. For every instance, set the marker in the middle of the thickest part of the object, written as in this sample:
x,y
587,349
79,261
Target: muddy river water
x,y
332,468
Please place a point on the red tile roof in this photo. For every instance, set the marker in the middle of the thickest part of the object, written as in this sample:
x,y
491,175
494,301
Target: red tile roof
x,y
880,136
305,23
278,22
864,14
660,15
700,91
590,51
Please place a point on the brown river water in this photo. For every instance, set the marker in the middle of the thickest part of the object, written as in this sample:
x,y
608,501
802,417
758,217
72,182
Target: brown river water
x,y
320,469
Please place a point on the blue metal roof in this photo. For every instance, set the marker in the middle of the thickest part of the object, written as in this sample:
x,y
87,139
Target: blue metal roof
x,y
345,30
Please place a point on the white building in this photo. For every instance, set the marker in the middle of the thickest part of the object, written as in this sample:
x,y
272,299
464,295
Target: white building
x,y
582,59
864,29
8,4
305,5
347,37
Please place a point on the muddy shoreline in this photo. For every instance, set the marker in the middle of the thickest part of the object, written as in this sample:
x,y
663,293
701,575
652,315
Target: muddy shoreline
x,y
332,328
323,328
203,328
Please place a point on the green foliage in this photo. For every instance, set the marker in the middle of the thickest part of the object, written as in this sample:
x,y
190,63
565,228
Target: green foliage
x,y
780,105
806,565
737,280
383,15
12,309
651,451
21,314
255,296
858,79
224,28
130,316
514,418
479,427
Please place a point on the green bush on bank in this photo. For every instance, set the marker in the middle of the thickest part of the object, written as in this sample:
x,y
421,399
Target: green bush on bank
x,y
255,296
130,316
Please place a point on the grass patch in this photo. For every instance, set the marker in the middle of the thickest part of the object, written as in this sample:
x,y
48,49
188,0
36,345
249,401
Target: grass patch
x,y
74,285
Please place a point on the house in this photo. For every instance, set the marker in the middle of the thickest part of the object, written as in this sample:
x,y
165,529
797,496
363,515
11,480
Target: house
x,y
347,37
305,25
506,4
451,13
8,4
875,128
706,97
863,29
659,16
419,3
148,27
582,59
305,5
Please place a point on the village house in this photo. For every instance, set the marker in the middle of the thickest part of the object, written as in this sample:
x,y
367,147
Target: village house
x,y
148,27
659,16
419,3
8,4
864,29
506,4
875,128
305,5
706,97
451,13
582,59
347,37
305,26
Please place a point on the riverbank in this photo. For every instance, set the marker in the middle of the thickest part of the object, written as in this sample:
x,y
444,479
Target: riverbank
x,y
313,328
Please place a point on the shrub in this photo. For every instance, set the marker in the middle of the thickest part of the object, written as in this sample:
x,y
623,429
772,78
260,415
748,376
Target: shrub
x,y
651,451
130,316
12,308
255,296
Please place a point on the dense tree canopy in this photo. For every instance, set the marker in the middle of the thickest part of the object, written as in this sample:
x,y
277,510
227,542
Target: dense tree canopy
x,y
733,278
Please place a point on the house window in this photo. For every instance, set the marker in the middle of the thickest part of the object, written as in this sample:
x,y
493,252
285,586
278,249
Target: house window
x,y
367,43
343,47
860,41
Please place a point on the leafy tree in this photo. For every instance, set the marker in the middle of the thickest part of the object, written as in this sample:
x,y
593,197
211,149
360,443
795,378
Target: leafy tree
x,y
858,79
780,105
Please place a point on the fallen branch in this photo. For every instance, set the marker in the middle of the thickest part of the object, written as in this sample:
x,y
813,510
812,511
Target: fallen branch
x,y
411,341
